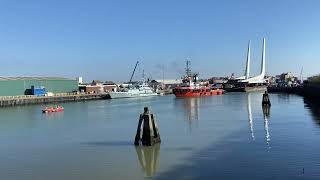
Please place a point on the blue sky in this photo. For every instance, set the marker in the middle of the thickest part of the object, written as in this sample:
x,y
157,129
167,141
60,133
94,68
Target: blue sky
x,y
103,39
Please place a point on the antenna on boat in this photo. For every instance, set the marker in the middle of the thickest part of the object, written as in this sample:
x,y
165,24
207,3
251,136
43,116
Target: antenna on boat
x,y
135,67
188,68
163,86
143,75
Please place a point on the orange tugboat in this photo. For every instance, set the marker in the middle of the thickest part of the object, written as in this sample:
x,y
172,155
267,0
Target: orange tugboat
x,y
52,109
191,87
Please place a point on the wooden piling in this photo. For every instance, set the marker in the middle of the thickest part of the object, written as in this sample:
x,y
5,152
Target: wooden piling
x,y
265,99
150,133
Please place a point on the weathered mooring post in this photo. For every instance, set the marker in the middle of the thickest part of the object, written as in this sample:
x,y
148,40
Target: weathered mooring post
x,y
150,132
265,99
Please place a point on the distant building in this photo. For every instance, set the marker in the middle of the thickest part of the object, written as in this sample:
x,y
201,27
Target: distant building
x,y
271,80
286,79
97,87
96,83
168,83
16,86
288,76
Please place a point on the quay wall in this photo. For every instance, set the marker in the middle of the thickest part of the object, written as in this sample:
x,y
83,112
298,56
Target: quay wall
x,y
26,100
311,90
307,90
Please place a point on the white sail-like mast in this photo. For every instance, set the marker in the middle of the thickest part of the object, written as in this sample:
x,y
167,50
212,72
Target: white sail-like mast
x,y
263,61
247,72
259,78
248,62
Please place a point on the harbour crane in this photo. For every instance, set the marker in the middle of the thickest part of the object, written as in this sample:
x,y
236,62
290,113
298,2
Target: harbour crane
x,y
134,70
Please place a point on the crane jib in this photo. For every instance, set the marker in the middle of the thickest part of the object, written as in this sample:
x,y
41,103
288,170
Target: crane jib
x,y
133,72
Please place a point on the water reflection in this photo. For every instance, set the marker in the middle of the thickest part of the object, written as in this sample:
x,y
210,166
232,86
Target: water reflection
x,y
192,105
18,118
250,119
148,157
314,106
54,115
191,108
266,116
283,98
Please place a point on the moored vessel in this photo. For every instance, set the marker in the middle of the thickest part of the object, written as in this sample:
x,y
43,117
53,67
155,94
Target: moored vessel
x,y
246,83
136,90
191,86
142,90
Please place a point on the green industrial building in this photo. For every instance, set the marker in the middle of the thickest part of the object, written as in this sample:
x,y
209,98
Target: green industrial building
x,y
15,86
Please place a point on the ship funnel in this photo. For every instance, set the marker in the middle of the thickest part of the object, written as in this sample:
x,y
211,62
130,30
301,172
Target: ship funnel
x,y
248,62
263,61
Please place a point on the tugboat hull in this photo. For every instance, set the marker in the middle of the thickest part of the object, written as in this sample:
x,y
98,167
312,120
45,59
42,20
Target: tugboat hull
x,y
196,92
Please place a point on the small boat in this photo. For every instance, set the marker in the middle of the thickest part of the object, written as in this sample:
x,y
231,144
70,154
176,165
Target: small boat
x,y
52,109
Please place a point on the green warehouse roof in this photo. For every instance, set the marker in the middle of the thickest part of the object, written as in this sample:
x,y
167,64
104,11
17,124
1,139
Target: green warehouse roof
x,y
33,78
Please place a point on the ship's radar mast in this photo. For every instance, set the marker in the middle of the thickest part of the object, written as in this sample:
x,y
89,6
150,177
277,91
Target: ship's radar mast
x,y
188,68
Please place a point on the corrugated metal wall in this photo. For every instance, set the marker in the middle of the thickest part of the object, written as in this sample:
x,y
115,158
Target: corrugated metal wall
x,y
18,87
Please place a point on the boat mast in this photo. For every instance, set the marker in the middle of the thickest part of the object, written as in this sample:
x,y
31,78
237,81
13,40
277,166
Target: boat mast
x,y
301,75
188,68
135,67
143,76
247,73
263,62
163,86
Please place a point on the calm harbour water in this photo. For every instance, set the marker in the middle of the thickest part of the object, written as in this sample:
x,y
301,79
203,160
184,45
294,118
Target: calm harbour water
x,y
218,137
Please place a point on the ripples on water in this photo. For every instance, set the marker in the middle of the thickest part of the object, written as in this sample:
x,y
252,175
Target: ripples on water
x,y
218,137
